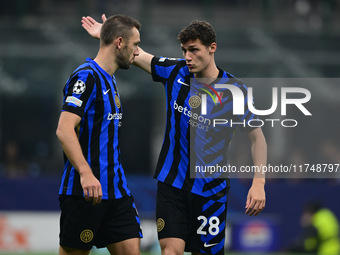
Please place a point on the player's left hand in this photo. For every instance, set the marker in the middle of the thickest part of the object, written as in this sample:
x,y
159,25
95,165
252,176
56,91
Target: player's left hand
x,y
256,199
92,26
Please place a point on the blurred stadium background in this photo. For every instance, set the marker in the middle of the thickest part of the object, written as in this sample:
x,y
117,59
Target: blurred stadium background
x,y
42,42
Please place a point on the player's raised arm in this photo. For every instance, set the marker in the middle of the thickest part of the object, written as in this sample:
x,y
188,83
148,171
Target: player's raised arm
x,y
143,60
92,26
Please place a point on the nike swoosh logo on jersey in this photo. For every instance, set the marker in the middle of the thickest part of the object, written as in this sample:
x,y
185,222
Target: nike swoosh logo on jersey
x,y
181,82
105,92
209,245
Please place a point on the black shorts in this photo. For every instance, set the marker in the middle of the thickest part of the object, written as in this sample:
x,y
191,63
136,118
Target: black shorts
x,y
83,225
198,220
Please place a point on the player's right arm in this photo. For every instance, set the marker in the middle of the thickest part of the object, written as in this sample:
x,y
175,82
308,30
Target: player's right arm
x,y
143,60
70,144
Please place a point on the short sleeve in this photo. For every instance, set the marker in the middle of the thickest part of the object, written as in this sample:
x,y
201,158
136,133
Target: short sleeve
x,y
247,116
161,68
79,92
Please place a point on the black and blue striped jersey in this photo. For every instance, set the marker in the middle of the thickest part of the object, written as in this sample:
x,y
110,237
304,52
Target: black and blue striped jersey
x,y
173,165
91,93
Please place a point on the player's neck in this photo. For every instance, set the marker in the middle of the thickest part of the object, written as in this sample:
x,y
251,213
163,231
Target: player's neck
x,y
106,60
211,71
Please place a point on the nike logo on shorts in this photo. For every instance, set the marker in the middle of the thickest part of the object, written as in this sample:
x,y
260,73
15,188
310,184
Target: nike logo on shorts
x,y
209,245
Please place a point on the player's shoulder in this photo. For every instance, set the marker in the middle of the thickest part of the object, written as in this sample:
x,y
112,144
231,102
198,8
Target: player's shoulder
x,y
85,69
83,74
233,80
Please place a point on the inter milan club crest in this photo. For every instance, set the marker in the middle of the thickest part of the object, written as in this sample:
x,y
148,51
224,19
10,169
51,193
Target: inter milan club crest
x,y
86,236
79,87
194,101
117,101
160,224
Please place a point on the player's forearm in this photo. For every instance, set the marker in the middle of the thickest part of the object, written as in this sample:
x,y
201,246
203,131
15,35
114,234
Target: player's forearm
x,y
143,61
70,144
259,155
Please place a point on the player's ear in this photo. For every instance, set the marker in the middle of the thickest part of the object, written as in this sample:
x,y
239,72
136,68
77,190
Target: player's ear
x,y
119,42
212,47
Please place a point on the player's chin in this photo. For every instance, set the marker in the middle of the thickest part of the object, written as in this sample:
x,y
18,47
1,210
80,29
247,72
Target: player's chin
x,y
130,63
192,69
125,66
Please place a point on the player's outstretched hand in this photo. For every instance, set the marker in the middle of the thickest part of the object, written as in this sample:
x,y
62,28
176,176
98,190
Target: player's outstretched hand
x,y
256,199
92,26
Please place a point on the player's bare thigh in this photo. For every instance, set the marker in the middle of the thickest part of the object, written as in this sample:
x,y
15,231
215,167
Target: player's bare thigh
x,y
71,251
126,247
172,246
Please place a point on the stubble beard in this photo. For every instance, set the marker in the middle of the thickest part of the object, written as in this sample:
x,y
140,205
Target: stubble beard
x,y
122,60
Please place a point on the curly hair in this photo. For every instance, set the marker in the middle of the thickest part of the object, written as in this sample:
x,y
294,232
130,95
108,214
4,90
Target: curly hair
x,y
198,29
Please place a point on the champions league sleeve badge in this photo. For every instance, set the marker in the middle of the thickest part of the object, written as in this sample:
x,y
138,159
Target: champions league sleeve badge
x,y
79,87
